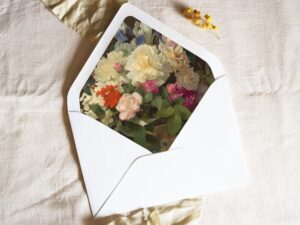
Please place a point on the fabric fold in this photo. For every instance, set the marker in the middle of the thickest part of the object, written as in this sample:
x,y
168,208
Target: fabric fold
x,y
88,18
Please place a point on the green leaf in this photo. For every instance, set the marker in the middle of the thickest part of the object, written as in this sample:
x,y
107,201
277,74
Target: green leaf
x,y
174,124
128,88
140,91
164,93
148,97
182,111
97,110
178,100
192,57
152,143
86,89
149,127
135,131
165,103
126,131
90,81
140,137
157,102
165,112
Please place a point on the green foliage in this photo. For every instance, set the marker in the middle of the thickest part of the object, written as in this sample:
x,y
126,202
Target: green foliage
x,y
138,134
174,124
182,111
164,93
128,88
192,57
165,112
148,97
149,127
140,91
135,131
152,143
157,102
97,110
179,100
86,89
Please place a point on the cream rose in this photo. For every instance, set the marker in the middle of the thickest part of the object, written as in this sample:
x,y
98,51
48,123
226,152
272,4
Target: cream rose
x,y
109,68
129,105
187,78
145,63
173,54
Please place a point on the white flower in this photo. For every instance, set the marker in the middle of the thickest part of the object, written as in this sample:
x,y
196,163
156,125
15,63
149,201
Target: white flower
x,y
145,63
87,100
108,68
129,105
187,78
173,53
108,117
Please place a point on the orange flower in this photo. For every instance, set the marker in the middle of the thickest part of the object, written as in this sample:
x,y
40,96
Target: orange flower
x,y
111,95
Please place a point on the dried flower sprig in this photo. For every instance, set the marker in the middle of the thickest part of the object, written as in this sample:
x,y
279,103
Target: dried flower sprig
x,y
204,22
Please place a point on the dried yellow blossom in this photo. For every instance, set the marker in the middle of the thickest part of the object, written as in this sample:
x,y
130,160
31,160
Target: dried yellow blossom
x,y
203,22
207,18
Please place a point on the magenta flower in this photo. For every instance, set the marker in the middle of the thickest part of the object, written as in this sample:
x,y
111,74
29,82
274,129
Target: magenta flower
x,y
190,97
150,86
190,100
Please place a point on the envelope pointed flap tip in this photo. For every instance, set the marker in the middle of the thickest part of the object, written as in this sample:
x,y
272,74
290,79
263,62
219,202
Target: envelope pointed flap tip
x,y
207,158
101,150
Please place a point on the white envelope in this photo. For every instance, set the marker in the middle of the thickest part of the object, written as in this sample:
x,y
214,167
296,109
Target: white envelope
x,y
121,175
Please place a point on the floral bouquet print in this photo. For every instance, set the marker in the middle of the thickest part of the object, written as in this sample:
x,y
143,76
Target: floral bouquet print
x,y
145,86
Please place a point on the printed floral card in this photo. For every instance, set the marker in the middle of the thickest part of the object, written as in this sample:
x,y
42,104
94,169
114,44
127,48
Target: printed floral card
x,y
145,86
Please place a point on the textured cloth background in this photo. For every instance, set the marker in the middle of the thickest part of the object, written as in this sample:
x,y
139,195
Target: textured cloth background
x,y
40,179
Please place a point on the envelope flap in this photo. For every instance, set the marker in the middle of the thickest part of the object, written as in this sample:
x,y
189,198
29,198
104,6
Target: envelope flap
x,y
208,158
101,150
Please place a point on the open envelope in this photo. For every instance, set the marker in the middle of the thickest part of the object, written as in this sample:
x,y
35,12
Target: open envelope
x,y
121,175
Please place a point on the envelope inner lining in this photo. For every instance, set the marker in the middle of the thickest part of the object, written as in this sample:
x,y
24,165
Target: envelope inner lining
x,y
145,86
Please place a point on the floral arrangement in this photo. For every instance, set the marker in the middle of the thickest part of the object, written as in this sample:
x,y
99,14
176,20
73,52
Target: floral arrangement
x,y
145,86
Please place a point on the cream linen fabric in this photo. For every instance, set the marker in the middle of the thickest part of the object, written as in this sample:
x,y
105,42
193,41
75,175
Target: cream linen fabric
x,y
40,179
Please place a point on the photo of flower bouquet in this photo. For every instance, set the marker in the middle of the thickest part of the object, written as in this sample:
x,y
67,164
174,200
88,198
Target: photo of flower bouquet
x,y
145,86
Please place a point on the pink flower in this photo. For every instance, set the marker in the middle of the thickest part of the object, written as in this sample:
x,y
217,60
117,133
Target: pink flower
x,y
190,97
129,105
172,88
118,67
173,91
150,86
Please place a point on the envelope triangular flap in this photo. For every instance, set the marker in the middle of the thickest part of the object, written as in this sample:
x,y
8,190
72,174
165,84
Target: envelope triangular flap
x,y
101,151
207,157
